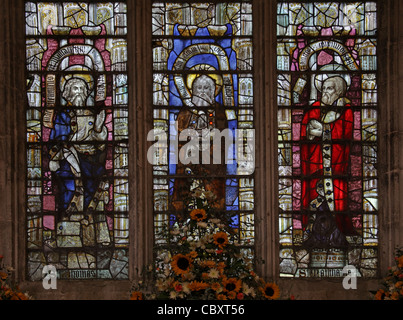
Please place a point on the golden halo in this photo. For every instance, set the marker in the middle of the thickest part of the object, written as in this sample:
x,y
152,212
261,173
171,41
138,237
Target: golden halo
x,y
204,67
87,78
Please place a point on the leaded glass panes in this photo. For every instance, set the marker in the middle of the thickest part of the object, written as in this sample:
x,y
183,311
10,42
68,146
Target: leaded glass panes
x,y
77,139
327,137
202,80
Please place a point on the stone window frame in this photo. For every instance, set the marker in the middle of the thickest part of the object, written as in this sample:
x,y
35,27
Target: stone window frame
x,y
13,156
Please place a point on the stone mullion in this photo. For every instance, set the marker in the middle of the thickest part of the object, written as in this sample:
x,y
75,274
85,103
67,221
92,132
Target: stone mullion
x,y
266,190
391,131
141,181
12,143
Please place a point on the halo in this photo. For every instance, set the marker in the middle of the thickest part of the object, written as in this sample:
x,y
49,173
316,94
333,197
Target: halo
x,y
204,67
321,78
87,78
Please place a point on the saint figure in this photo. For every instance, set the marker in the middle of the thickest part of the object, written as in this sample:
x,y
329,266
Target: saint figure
x,y
326,135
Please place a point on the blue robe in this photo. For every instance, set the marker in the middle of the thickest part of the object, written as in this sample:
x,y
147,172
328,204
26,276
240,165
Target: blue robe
x,y
92,166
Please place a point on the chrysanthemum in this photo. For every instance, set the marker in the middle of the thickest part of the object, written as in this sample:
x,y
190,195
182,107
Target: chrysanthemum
x,y
221,239
181,264
198,214
231,284
198,285
214,273
173,295
207,264
270,291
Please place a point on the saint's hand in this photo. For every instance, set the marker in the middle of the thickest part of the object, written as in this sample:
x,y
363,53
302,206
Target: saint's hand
x,y
314,129
99,121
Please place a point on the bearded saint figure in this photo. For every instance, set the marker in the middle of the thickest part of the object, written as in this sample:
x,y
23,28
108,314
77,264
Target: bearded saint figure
x,y
204,117
76,159
326,135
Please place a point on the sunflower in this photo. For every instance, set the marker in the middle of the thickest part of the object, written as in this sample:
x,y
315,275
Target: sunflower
x,y
198,214
136,295
181,264
231,285
270,291
220,239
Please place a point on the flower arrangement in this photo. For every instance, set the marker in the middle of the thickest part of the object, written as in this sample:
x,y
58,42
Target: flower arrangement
x,y
8,289
199,257
393,282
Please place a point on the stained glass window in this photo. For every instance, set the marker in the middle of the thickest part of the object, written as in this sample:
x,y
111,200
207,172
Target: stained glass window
x,y
327,137
202,81
77,139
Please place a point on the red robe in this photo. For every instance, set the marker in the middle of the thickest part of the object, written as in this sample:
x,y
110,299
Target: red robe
x,y
313,170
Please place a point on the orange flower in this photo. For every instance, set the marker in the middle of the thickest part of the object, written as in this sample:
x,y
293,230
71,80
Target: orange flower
x,y
380,295
215,286
136,295
221,297
181,264
198,214
231,285
193,254
207,264
3,275
231,295
221,265
22,296
220,239
198,285
270,291
400,261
